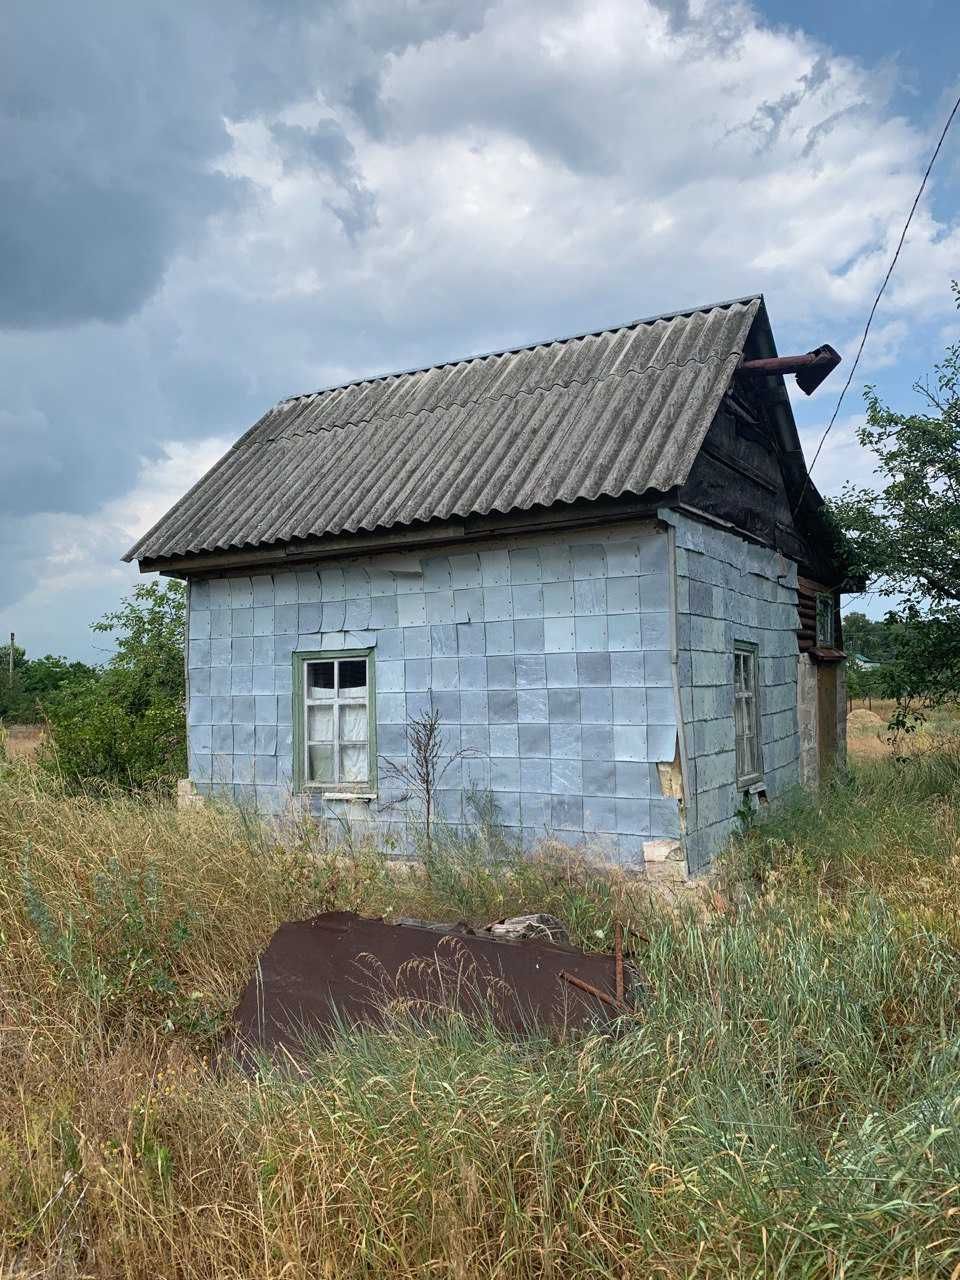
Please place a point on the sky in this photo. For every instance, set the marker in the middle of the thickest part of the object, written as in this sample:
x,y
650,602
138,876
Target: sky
x,y
206,208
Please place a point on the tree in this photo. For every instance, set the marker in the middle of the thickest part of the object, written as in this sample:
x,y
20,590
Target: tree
x,y
871,638
125,724
34,680
905,533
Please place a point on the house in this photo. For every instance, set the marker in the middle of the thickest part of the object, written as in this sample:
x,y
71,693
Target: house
x,y
599,558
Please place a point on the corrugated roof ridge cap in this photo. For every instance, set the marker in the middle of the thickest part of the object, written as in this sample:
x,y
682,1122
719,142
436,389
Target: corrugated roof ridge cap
x,y
515,350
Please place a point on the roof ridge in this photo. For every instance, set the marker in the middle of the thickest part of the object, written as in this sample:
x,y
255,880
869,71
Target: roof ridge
x,y
464,404
523,346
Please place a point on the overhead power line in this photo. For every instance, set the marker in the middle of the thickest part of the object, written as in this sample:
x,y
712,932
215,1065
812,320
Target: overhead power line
x,y
876,301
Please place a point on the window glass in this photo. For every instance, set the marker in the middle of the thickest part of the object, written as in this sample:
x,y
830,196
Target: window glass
x,y
746,714
336,722
825,632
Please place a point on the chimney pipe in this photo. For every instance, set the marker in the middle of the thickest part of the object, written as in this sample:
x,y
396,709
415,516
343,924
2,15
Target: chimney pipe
x,y
811,369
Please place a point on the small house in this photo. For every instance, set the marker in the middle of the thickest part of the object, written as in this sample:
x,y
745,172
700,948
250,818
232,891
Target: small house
x,y
599,559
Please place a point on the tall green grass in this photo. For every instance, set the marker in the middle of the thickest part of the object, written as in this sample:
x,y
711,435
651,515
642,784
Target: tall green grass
x,y
784,1103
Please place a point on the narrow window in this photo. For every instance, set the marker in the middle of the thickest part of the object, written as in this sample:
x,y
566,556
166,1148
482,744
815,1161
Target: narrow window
x,y
825,631
746,711
335,746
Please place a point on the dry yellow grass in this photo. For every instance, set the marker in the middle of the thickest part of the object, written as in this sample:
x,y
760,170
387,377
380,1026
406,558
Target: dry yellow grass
x,y
21,741
785,1106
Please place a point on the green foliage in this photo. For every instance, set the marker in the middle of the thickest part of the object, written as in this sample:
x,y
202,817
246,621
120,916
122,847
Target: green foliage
x,y
125,724
877,640
904,534
34,680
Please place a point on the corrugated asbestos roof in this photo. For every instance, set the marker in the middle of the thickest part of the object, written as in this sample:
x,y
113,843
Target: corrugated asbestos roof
x,y
624,410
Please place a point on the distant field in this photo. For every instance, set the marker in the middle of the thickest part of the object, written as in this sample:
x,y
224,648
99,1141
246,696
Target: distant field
x,y
21,741
868,737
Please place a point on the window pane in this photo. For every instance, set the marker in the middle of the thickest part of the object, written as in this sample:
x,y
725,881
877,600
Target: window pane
x,y
320,724
319,679
353,722
320,760
353,673
353,764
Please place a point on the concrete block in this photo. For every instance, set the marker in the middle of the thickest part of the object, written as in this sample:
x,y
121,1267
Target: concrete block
x,y
468,604
596,742
528,635
630,742
565,741
590,596
558,635
499,637
661,741
443,640
411,610
591,634
661,706
532,705
241,679
535,811
633,816
447,703
599,777
416,674
502,705
629,706
495,568
508,808
531,671
220,652
504,740
534,774
558,600
505,775
465,571
556,564
525,565
589,560
596,706
624,632
220,681
566,777
566,812
473,706
561,670
527,601
599,814
474,738
445,673
501,672
627,669
199,680
534,740
632,779
564,705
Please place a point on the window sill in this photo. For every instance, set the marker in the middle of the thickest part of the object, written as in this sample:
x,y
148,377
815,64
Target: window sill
x,y
365,796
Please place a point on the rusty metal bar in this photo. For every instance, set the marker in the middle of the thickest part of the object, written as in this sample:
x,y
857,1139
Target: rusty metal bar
x,y
618,958
590,989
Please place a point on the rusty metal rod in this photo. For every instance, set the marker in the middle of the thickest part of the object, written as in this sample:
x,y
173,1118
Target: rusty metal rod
x,y
618,957
590,989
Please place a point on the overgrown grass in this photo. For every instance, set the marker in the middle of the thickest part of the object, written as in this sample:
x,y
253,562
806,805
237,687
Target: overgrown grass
x,y
785,1103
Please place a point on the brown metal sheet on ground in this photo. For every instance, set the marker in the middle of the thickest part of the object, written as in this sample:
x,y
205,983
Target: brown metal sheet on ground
x,y
340,968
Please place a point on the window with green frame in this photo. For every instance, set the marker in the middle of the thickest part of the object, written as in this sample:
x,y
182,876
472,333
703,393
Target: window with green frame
x,y
334,718
746,713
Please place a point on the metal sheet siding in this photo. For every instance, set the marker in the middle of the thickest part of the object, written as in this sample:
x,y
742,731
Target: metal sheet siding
x,y
623,411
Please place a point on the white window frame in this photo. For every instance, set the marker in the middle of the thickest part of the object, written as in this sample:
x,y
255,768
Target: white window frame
x,y
335,699
749,654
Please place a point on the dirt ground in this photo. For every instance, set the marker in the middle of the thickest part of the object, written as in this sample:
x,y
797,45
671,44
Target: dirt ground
x,y
21,740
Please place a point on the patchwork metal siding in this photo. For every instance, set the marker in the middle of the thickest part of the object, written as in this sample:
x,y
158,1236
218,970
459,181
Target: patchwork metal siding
x,y
621,411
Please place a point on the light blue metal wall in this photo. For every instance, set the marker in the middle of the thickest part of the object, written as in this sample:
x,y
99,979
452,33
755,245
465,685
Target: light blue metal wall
x,y
550,663
729,589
